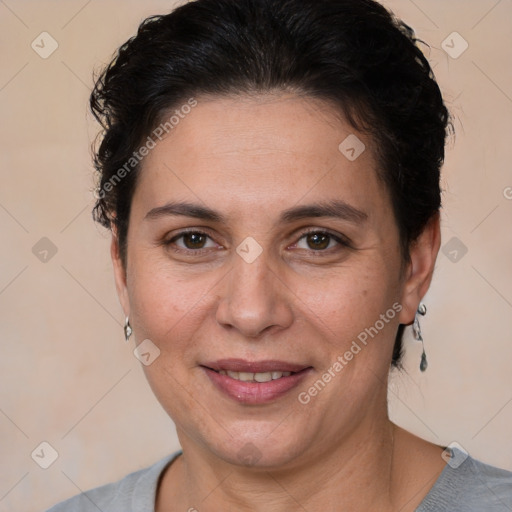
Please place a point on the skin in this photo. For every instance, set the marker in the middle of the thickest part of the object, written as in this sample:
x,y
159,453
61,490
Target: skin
x,y
250,159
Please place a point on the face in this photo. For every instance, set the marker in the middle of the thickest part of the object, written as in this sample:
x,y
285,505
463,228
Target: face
x,y
256,247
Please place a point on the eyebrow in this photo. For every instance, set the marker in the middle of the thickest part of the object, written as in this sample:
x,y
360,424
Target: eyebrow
x,y
336,209
186,210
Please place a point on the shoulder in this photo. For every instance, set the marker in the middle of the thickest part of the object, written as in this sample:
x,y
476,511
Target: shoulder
x,y
134,492
468,485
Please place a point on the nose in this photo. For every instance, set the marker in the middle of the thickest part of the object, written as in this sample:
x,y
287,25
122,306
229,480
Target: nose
x,y
254,300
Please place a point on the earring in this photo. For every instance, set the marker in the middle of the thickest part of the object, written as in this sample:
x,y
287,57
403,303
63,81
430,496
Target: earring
x,y
416,329
127,329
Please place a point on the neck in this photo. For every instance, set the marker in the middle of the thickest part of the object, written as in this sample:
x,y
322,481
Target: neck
x,y
362,472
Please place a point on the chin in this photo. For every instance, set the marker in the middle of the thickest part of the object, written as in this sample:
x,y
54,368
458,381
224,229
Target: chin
x,y
259,448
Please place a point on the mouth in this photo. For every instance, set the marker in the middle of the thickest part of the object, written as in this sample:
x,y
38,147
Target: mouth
x,y
255,371
255,382
255,377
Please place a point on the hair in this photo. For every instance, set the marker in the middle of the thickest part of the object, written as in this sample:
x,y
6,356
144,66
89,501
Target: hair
x,y
353,54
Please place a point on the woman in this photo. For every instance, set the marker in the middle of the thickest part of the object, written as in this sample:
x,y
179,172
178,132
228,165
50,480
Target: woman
x,y
270,173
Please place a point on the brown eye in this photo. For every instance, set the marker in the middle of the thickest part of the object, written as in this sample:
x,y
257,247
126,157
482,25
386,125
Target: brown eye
x,y
194,240
318,241
191,241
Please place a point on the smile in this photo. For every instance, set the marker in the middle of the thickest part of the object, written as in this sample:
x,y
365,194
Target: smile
x,y
254,377
255,382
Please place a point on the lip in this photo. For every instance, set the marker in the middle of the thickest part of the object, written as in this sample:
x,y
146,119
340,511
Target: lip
x,y
254,393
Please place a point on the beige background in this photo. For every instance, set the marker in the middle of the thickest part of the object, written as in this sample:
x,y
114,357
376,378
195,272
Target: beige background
x,y
67,376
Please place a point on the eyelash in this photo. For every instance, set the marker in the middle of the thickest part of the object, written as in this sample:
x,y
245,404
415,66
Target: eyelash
x,y
341,240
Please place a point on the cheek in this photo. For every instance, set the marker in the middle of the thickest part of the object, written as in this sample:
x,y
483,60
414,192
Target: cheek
x,y
352,305
162,300
350,293
168,309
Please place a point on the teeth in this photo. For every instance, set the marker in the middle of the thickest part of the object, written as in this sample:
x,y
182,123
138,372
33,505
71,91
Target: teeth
x,y
263,377
278,375
255,377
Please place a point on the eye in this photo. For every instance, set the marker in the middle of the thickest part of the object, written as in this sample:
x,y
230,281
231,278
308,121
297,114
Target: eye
x,y
319,241
192,241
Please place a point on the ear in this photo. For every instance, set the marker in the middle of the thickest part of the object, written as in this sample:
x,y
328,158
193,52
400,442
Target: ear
x,y
418,274
119,274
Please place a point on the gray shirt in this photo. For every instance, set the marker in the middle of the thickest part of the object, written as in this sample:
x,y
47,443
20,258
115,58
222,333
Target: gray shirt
x,y
464,485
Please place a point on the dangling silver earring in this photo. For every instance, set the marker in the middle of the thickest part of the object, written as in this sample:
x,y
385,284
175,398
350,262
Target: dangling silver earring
x,y
416,329
127,329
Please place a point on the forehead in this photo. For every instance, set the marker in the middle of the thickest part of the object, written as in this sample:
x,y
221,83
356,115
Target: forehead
x,y
264,149
261,124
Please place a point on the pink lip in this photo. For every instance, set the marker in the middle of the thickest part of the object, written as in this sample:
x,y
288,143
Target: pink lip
x,y
253,393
